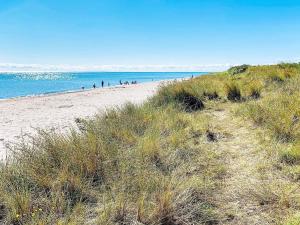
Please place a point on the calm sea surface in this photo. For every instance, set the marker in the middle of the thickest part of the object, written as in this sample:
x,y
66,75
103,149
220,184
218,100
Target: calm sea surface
x,y
37,83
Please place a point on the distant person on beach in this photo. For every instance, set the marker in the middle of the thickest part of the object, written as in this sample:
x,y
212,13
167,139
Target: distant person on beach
x,y
192,76
108,84
94,85
82,88
102,83
120,82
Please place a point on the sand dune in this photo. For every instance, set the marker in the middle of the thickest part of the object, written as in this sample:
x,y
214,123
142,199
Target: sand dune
x,y
21,116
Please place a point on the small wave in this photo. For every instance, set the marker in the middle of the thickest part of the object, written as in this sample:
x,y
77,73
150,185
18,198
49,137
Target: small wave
x,y
39,75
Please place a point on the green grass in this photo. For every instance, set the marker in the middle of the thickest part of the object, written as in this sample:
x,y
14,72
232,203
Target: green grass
x,y
148,164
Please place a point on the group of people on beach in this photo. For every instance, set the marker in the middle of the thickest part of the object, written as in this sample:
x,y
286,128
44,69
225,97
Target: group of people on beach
x,y
108,84
127,83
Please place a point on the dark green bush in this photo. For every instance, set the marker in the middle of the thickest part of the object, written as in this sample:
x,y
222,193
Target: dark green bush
x,y
238,69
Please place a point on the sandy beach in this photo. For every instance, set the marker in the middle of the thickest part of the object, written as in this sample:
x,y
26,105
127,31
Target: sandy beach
x,y
21,116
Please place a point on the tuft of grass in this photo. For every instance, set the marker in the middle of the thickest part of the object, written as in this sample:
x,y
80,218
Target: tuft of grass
x,y
254,89
181,95
291,155
189,102
233,92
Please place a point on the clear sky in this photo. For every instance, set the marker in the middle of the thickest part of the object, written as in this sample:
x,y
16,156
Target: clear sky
x,y
146,34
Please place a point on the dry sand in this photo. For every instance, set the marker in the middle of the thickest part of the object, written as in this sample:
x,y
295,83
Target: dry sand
x,y
21,116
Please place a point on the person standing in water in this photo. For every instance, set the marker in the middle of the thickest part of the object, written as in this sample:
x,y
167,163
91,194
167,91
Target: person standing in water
x,y
94,85
102,83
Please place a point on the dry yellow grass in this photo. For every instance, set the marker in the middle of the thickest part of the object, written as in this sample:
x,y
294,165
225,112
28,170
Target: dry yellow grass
x,y
136,164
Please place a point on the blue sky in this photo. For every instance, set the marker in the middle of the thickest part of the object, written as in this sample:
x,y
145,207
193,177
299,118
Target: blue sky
x,y
146,34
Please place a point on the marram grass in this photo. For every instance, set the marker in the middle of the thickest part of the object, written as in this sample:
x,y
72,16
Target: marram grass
x,y
128,165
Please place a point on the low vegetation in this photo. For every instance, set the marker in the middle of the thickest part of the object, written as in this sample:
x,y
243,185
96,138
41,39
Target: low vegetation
x,y
157,163
132,165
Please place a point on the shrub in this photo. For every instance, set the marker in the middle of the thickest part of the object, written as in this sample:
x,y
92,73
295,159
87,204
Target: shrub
x,y
238,69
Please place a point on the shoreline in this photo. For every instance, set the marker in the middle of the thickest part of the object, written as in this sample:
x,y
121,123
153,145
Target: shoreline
x,y
21,117
87,89
62,92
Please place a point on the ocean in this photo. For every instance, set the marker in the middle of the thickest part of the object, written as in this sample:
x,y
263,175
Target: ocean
x,y
17,84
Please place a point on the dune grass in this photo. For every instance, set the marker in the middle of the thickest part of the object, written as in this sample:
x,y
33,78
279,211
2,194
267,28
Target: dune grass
x,y
135,164
277,110
149,164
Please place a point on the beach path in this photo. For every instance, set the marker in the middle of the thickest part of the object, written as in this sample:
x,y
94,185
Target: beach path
x,y
21,116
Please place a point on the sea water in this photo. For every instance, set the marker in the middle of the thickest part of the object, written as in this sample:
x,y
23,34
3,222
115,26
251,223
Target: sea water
x,y
17,84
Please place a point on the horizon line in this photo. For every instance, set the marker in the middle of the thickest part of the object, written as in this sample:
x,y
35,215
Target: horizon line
x,y
91,71
60,68
15,67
